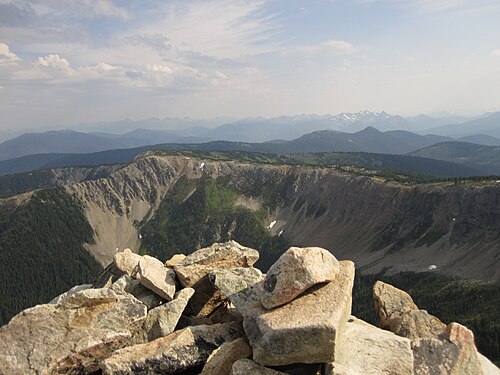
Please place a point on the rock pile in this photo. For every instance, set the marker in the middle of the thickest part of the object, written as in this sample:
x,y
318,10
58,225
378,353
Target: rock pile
x,y
213,313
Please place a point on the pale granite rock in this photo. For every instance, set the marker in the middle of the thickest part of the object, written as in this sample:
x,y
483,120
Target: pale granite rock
x,y
181,350
218,256
71,337
222,359
306,330
295,271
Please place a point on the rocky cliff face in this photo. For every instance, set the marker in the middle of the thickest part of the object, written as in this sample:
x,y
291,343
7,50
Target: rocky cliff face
x,y
447,228
296,319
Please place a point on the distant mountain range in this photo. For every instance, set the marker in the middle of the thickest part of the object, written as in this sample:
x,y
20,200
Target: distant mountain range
x,y
368,148
265,136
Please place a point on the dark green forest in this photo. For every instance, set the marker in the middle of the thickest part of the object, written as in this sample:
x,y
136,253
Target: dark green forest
x,y
472,303
41,250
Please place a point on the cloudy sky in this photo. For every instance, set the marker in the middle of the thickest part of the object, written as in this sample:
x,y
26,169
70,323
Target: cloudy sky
x,y
68,61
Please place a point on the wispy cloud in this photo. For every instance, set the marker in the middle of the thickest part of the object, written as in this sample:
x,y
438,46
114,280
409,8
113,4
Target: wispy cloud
x,y
465,7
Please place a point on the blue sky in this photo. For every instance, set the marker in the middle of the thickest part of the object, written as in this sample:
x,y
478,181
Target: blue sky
x,y
65,62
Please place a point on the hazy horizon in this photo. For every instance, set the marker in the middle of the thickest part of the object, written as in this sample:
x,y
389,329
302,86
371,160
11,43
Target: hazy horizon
x,y
65,63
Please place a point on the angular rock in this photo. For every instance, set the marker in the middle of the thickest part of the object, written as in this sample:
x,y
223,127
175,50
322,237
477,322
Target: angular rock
x,y
463,338
212,290
127,262
417,324
391,302
235,280
108,276
366,349
222,359
399,314
126,284
295,271
63,297
454,354
71,337
306,330
163,319
434,356
176,352
225,313
175,260
247,366
487,366
156,277
218,256
206,298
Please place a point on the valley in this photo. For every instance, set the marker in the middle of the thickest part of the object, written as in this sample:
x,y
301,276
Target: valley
x,y
165,203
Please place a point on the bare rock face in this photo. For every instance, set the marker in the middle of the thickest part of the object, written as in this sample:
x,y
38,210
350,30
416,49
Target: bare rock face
x,y
306,330
399,314
71,337
156,277
126,284
417,324
296,271
391,302
175,260
163,319
222,359
247,366
176,352
370,350
206,298
235,280
127,261
63,297
218,256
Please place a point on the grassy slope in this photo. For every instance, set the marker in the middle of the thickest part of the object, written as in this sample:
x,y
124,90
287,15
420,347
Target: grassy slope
x,y
199,213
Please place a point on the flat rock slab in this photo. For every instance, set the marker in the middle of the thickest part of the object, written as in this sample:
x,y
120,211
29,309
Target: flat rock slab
x,y
222,359
367,349
181,350
306,330
218,256
295,271
71,337
247,367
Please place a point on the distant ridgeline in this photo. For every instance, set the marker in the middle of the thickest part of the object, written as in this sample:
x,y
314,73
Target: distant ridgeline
x,y
165,203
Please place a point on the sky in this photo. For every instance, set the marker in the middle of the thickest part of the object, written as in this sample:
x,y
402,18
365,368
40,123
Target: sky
x,y
65,62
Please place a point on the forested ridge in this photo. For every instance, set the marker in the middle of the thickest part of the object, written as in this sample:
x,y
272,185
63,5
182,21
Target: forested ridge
x,y
41,250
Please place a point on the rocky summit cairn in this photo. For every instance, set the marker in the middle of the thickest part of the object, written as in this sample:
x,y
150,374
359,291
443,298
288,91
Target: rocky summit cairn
x,y
212,312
